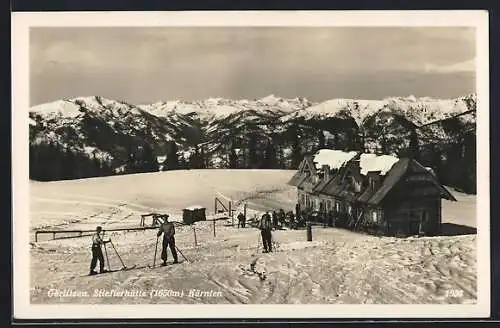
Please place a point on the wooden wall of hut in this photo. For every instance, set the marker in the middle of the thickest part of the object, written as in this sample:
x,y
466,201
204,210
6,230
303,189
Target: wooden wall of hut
x,y
414,207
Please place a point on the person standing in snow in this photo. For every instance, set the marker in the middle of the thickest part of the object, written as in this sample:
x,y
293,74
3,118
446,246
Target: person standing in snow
x,y
289,219
331,220
265,227
241,220
168,231
97,255
281,218
275,220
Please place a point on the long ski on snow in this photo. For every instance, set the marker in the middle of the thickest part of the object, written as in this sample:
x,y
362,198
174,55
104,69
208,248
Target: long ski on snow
x,y
111,271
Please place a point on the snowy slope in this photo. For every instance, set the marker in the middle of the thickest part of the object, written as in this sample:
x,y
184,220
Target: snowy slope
x,y
338,266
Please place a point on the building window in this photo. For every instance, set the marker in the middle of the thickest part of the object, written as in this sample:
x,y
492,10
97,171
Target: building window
x,y
356,184
329,204
374,216
349,209
337,206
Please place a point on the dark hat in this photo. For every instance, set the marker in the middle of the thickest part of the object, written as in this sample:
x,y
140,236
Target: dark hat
x,y
99,228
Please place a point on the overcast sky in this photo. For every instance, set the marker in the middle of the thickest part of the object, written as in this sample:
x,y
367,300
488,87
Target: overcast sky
x,y
145,65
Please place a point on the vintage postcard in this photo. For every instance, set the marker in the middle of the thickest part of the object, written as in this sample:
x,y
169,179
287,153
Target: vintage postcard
x,y
251,164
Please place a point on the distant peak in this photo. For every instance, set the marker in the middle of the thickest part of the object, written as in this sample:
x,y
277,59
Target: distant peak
x,y
270,98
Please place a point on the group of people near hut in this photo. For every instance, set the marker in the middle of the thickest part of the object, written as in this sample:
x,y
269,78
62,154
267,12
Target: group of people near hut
x,y
276,220
279,219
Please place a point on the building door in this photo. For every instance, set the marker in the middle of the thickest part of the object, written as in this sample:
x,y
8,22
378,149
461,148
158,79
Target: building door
x,y
424,218
414,222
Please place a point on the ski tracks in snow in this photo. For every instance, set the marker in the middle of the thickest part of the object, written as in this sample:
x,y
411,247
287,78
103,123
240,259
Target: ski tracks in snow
x,y
101,201
343,268
115,205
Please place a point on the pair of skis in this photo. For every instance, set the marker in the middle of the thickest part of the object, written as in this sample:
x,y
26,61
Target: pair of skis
x,y
274,245
123,268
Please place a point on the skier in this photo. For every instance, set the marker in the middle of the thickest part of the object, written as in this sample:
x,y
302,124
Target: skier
x,y
241,220
297,210
265,227
168,230
331,220
294,221
97,241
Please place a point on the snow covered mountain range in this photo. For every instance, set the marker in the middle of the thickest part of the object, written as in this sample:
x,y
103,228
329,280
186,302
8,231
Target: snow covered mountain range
x,y
105,128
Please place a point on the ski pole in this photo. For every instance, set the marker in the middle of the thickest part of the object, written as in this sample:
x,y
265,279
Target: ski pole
x,y
107,258
117,253
182,254
106,251
156,248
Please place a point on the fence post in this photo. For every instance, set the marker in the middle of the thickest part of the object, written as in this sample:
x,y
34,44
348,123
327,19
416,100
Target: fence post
x,y
36,237
215,206
245,210
309,231
231,214
214,228
195,240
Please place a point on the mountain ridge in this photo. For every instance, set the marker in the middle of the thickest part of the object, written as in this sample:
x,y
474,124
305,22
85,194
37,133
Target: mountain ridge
x,y
271,99
270,132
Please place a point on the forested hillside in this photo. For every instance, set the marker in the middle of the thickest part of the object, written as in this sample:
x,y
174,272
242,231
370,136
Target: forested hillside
x,y
94,136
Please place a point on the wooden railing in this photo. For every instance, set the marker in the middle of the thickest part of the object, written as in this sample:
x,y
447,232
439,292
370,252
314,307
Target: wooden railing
x,y
87,233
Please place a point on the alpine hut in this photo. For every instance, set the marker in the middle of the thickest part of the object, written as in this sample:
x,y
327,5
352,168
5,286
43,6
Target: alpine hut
x,y
380,194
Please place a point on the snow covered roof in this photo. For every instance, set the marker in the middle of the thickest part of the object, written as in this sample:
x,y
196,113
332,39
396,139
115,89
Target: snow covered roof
x,y
194,207
367,162
372,162
333,158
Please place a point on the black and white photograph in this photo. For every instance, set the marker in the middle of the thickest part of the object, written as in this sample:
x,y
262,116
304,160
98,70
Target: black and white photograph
x,y
302,164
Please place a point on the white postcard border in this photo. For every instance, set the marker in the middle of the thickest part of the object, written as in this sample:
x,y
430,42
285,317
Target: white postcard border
x,y
21,22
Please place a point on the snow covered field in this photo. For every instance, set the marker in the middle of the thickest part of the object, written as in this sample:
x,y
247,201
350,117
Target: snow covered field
x,y
338,266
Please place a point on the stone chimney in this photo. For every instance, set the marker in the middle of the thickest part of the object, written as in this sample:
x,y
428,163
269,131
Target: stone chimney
x,y
326,172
